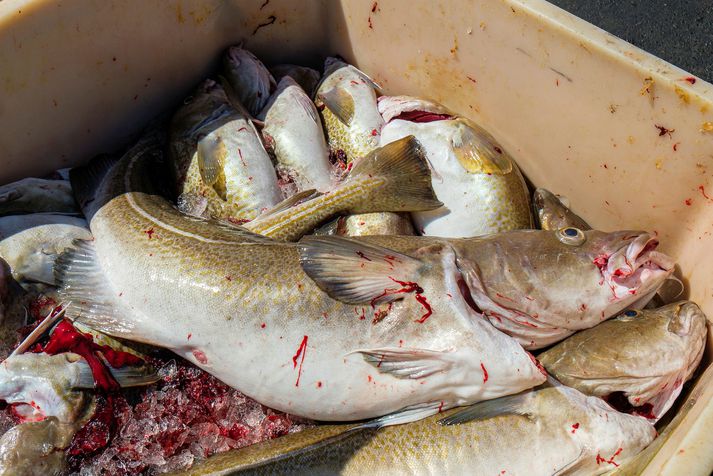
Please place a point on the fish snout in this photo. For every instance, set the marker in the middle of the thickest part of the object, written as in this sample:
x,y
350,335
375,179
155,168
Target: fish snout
x,y
687,319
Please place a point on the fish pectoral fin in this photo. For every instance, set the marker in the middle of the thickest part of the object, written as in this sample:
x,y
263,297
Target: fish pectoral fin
x,y
340,103
308,106
128,376
405,415
408,363
574,466
355,272
508,405
212,154
477,152
91,300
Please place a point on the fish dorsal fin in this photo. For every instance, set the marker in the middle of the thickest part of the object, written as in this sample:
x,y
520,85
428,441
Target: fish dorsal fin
x,y
290,202
91,300
356,272
478,152
509,405
340,103
212,155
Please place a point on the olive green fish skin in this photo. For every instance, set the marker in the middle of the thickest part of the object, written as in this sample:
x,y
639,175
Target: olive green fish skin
x,y
647,354
36,448
552,214
562,429
219,296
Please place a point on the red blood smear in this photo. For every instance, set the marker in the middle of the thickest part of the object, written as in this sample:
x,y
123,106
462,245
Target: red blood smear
x,y
537,364
601,262
66,338
610,460
150,232
97,433
426,305
301,351
690,79
362,255
575,427
620,402
485,372
465,292
688,201
703,192
422,116
375,5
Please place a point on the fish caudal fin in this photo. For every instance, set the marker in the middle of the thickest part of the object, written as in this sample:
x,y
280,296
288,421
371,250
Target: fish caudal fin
x,y
403,167
83,286
356,272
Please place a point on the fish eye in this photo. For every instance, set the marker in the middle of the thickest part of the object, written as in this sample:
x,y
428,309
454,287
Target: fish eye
x,y
631,313
571,236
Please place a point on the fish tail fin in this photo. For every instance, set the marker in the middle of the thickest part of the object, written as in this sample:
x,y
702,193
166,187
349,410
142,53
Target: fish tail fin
x,y
406,176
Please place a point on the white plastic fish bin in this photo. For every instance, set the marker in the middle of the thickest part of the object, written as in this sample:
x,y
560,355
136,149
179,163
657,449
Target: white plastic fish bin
x,y
627,137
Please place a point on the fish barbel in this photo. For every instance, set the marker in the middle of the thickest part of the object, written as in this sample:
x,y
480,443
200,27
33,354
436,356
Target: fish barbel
x,y
392,331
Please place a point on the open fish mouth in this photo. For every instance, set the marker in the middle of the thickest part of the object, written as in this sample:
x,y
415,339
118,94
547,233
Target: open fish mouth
x,y
637,268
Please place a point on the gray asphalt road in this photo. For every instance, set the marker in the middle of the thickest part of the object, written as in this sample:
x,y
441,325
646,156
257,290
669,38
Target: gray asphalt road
x,y
681,32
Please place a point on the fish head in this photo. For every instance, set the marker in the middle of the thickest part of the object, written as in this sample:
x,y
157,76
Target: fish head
x,y
552,213
561,280
249,78
41,385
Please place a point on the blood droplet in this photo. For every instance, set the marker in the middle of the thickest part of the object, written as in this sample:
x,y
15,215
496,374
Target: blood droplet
x,y
301,352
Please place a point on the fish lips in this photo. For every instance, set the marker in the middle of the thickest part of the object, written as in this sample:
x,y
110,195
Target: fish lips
x,y
637,267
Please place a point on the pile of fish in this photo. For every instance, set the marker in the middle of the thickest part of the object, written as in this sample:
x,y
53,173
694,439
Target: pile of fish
x,y
303,244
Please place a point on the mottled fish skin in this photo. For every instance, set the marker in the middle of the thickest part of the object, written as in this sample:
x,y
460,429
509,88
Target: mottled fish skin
x,y
563,430
542,286
248,77
552,214
307,78
479,183
648,355
362,135
31,243
366,224
293,131
35,195
36,448
219,296
246,184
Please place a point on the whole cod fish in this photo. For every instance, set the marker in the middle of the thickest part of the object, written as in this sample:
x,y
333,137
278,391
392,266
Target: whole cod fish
x,y
217,154
248,78
394,177
479,183
346,99
647,355
293,131
551,430
36,195
31,243
393,332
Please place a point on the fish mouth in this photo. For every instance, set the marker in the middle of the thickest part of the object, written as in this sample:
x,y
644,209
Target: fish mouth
x,y
636,267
